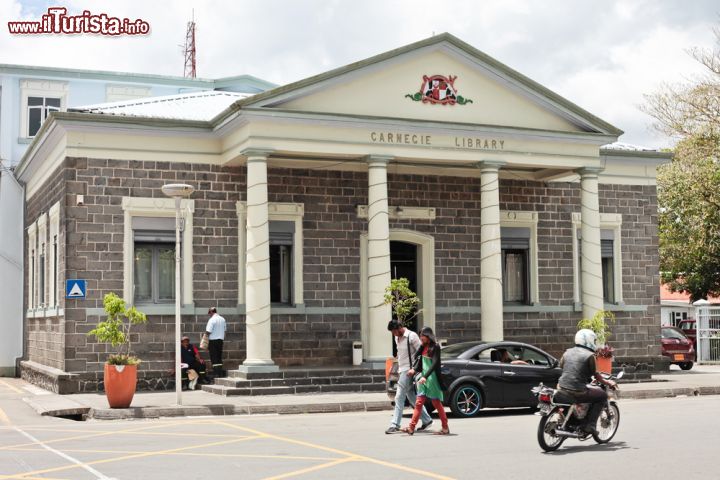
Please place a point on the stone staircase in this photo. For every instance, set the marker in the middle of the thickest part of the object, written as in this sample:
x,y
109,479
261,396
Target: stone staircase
x,y
300,380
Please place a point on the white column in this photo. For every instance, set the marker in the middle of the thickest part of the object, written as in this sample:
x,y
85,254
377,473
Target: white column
x,y
491,291
378,258
257,271
591,277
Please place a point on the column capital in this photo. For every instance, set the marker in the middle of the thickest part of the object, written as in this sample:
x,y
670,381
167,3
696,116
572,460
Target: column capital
x,y
490,164
384,159
259,153
589,171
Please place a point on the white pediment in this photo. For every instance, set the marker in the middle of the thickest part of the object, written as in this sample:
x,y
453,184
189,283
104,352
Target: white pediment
x,y
391,86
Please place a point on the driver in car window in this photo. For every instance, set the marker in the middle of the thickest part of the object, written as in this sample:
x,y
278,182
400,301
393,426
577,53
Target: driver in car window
x,y
505,357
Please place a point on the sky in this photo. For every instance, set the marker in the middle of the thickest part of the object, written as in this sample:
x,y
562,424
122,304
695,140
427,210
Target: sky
x,y
602,55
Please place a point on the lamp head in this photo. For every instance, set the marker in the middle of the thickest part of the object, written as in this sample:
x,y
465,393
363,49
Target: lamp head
x,y
178,190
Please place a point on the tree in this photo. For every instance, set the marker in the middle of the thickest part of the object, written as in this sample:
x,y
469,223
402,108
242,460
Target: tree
x,y
689,226
404,301
689,186
116,329
691,108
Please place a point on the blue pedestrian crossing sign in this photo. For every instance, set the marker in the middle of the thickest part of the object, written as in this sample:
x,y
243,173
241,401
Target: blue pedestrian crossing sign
x,y
75,288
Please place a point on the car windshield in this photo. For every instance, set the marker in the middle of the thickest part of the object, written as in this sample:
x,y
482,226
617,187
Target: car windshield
x,y
453,351
672,333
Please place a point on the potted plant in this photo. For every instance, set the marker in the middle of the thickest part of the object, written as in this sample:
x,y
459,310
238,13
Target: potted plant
x,y
120,375
600,324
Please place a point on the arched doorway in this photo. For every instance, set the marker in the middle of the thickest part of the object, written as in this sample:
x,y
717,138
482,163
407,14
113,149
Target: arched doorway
x,y
412,255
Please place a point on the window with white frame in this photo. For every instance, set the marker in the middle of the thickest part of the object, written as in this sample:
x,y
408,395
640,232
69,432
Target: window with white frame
x,y
53,255
518,232
286,260
32,248
149,250
40,261
154,260
39,99
282,241
610,257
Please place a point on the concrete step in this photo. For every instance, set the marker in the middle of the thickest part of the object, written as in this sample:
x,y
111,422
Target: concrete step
x,y
229,390
306,373
291,382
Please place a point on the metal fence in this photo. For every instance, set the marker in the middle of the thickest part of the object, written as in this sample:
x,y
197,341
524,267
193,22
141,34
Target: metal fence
x,y
708,334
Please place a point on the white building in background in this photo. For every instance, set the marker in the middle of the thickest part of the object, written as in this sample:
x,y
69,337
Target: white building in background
x,y
28,95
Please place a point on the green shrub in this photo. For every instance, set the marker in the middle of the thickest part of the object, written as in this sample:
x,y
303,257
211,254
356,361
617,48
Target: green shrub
x,y
115,330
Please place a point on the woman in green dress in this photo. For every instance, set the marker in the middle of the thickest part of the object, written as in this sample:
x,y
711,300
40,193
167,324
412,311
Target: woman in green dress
x,y
426,369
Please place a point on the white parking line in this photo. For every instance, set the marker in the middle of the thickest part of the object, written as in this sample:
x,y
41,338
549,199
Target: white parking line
x,y
63,455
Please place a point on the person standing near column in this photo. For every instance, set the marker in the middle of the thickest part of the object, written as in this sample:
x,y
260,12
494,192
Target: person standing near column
x,y
216,334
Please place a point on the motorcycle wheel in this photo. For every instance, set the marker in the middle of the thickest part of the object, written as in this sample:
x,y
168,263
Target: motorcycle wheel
x,y
607,424
546,431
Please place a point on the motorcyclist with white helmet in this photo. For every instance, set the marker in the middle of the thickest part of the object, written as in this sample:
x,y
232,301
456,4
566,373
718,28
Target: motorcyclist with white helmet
x,y
578,369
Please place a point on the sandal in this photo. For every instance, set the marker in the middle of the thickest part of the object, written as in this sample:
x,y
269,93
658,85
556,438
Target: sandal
x,y
408,430
444,431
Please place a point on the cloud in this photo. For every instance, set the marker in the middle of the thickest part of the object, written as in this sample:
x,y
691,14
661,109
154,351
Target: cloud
x,y
601,55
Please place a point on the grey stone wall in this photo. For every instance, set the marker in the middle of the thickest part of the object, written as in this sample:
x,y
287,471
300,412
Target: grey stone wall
x,y
332,232
44,335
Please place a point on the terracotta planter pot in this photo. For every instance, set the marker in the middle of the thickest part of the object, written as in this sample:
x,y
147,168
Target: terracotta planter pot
x,y
120,383
604,364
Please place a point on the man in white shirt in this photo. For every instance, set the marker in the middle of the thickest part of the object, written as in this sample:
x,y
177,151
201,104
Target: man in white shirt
x,y
215,330
408,344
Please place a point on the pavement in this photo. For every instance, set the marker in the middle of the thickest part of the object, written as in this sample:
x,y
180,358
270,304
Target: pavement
x,y
701,380
658,439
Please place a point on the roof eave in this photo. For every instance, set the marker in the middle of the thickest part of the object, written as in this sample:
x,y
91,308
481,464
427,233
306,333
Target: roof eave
x,y
78,117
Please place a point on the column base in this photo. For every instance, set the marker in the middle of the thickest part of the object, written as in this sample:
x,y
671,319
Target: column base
x,y
258,368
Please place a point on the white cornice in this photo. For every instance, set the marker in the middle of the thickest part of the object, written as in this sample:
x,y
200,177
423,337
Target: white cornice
x,y
404,124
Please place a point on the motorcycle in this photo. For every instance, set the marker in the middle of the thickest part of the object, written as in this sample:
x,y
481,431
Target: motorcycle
x,y
562,419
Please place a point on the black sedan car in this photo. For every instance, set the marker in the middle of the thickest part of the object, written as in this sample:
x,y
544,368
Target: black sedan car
x,y
476,375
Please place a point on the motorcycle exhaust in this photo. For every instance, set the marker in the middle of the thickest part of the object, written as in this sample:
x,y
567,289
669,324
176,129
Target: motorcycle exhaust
x,y
565,433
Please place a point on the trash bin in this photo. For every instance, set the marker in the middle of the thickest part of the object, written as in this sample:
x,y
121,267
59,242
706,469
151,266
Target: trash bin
x,y
357,353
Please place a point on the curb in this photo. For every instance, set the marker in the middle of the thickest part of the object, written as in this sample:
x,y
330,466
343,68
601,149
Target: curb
x,y
670,392
220,410
64,407
57,406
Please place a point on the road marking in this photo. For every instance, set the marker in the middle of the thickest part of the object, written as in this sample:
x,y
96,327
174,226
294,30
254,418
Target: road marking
x,y
73,460
314,469
190,454
11,387
128,457
4,418
347,454
100,434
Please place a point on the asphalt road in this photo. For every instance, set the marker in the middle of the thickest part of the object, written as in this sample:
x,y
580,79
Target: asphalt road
x,y
660,439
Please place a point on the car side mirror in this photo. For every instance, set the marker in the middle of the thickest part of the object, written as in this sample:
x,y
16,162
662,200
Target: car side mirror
x,y
555,364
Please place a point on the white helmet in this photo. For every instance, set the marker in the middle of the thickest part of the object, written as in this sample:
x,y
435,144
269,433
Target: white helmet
x,y
586,338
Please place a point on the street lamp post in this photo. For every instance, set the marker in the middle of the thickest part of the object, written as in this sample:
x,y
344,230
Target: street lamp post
x,y
178,191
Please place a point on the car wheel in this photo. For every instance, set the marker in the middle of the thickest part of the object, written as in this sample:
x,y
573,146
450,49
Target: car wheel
x,y
685,365
466,400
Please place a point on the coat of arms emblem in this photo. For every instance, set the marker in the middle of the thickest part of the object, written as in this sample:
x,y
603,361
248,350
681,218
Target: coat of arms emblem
x,y
439,89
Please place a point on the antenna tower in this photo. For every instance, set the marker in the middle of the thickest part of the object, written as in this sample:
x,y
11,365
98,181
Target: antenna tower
x,y
190,70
